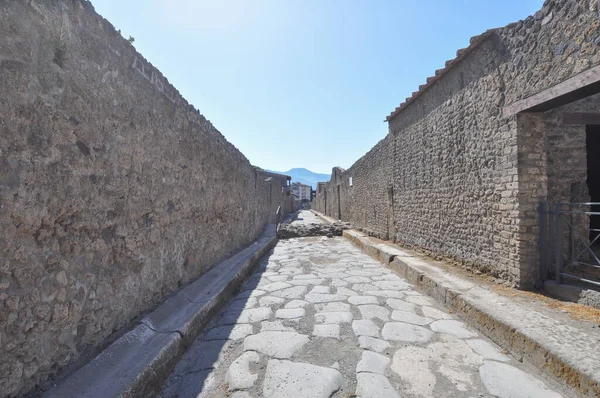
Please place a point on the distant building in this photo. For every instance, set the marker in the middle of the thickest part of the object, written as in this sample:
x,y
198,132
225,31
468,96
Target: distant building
x,y
302,191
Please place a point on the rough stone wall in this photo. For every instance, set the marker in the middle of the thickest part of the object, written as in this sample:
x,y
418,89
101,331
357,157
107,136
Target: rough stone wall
x,y
466,180
114,191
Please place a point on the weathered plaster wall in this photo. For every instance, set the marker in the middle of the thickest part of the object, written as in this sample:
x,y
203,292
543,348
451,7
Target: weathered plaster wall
x,y
114,191
465,180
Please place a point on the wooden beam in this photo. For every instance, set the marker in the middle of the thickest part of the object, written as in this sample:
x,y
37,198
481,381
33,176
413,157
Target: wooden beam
x,y
580,86
580,118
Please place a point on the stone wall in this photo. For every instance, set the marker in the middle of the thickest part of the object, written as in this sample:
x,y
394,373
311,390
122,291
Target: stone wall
x,y
114,191
464,180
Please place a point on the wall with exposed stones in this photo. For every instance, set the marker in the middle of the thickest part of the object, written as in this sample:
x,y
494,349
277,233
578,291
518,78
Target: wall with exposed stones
x,y
114,191
464,180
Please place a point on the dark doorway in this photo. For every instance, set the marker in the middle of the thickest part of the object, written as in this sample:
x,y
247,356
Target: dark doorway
x,y
592,143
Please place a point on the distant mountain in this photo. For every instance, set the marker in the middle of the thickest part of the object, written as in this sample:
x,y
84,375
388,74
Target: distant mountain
x,y
305,176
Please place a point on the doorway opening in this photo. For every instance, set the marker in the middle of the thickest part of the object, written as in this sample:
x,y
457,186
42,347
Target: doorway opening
x,y
592,144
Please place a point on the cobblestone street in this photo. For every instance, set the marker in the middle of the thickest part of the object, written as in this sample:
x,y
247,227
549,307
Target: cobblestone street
x,y
319,318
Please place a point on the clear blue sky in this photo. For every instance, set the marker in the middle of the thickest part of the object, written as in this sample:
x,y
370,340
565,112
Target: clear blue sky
x,y
303,83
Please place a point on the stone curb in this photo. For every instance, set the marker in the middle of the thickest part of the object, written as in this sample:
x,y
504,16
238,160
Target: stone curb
x,y
137,363
562,351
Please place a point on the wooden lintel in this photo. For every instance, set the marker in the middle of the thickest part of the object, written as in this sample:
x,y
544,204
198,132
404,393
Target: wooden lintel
x,y
580,118
580,86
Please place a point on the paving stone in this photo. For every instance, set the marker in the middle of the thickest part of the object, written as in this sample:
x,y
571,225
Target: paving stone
x,y
270,300
392,285
359,300
386,277
278,278
401,305
320,289
275,286
339,283
332,307
434,313
504,380
280,345
306,282
364,287
268,326
373,344
371,385
374,311
300,380
296,304
358,279
306,276
372,362
397,331
290,313
323,297
327,330
238,375
246,316
236,332
486,350
295,292
243,304
410,317
333,317
455,328
420,300
365,327
346,292
241,394
384,293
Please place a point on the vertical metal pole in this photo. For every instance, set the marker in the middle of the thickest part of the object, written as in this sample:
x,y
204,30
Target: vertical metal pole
x,y
543,274
559,244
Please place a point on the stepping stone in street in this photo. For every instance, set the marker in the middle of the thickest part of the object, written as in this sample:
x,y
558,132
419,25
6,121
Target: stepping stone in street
x,y
296,304
371,385
410,317
290,313
372,362
504,380
373,344
280,345
236,332
275,286
397,331
333,317
295,292
359,300
332,331
239,375
246,316
365,327
374,311
434,313
270,300
300,380
401,305
455,328
324,298
332,307
486,350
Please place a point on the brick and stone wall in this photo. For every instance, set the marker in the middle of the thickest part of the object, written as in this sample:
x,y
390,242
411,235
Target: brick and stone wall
x,y
114,191
465,181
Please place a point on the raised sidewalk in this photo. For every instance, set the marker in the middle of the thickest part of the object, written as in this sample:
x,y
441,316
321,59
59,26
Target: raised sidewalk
x,y
136,364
